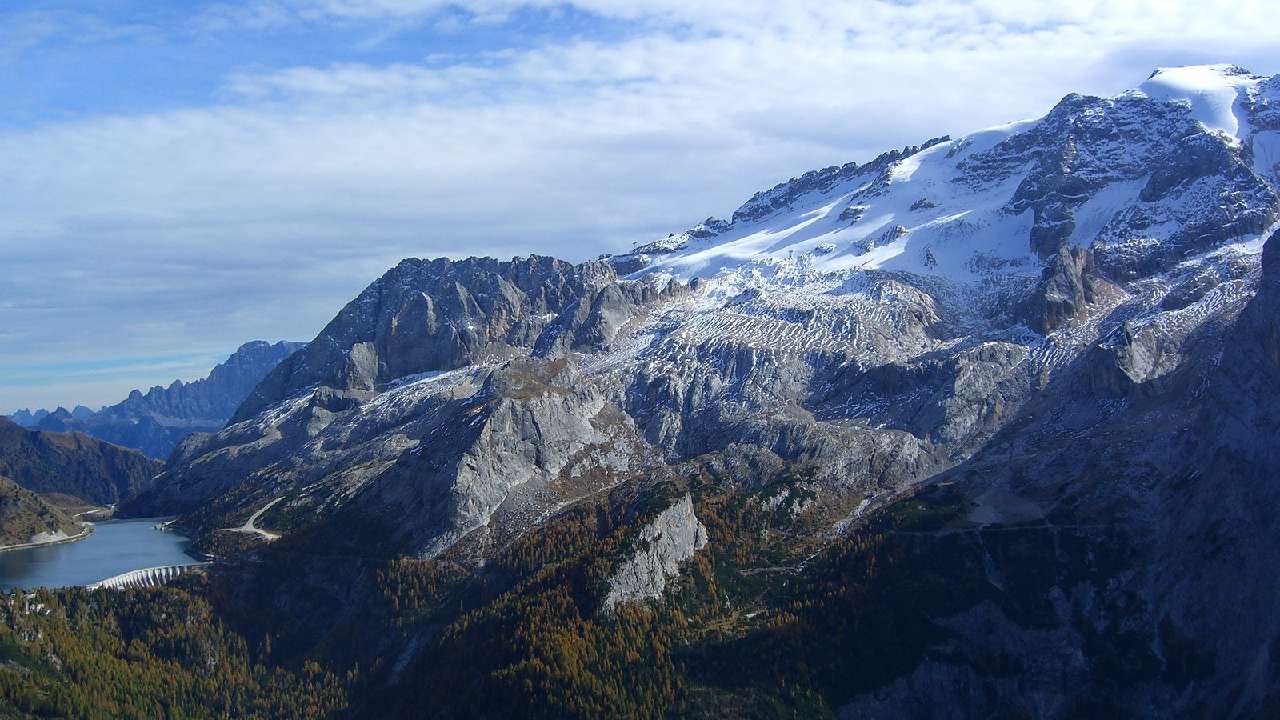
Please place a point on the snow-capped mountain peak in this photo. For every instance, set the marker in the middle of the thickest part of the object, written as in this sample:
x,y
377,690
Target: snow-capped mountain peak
x,y
1184,164
1215,93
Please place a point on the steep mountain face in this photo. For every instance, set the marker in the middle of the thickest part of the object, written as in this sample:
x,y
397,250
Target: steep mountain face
x,y
73,464
1034,365
26,518
431,315
1112,543
155,422
504,409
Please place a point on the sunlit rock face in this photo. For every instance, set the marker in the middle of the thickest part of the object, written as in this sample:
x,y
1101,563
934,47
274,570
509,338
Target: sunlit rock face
x,y
661,547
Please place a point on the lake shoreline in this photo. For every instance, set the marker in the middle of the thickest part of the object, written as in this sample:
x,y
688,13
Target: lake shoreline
x,y
110,548
86,532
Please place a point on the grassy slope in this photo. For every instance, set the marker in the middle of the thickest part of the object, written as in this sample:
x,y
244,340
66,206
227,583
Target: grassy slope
x,y
24,514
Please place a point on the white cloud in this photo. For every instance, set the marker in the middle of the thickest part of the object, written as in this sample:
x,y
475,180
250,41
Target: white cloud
x,y
259,217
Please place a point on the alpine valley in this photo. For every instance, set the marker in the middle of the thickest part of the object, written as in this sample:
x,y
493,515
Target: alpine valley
x,y
982,427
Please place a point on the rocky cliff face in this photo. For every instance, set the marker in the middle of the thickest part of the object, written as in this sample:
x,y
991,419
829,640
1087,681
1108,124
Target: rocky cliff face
x,y
426,316
1054,338
154,422
73,464
662,546
1148,509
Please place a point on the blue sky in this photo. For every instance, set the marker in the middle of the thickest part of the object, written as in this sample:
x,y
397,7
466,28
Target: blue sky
x,y
146,57
182,177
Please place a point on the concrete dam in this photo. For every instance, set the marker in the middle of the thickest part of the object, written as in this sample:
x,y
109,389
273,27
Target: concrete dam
x,y
147,577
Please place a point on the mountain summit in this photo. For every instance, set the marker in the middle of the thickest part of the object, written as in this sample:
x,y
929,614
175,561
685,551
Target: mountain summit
x,y
1147,178
1029,370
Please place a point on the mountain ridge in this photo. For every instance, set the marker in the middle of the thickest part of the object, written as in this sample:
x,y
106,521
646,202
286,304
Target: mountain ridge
x,y
993,408
1028,174
845,214
73,464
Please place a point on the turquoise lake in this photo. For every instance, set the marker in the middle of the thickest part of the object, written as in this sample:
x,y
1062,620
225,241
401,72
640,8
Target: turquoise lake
x,y
116,546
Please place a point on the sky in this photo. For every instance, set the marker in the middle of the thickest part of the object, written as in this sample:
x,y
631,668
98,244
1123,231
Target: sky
x,y
181,177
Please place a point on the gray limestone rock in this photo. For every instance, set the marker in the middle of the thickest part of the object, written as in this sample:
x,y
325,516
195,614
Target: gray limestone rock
x,y
428,315
661,547
1071,285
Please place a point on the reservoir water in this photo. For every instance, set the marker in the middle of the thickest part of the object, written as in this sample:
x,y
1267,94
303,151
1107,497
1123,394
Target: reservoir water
x,y
114,547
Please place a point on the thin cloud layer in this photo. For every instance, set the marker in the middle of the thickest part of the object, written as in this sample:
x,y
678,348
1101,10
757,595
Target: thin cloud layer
x,y
257,208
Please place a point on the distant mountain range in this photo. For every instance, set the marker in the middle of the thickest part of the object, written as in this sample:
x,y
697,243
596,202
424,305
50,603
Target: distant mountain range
x,y
31,418
155,422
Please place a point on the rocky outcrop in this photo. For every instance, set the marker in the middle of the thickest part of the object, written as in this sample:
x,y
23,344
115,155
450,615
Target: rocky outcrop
x,y
661,547
1068,290
485,448
73,464
590,323
527,429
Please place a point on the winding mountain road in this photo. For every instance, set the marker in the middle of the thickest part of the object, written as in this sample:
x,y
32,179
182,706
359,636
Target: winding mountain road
x,y
249,525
